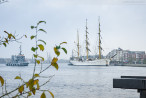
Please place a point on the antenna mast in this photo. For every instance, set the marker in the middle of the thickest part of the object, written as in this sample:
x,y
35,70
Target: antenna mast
x,y
20,50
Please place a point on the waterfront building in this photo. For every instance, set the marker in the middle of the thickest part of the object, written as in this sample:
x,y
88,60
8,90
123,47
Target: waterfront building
x,y
126,56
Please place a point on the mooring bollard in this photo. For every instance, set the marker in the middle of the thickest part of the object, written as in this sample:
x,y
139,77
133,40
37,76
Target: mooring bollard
x,y
132,82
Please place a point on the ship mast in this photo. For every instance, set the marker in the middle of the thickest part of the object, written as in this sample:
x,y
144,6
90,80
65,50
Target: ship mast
x,y
87,43
78,45
20,50
99,41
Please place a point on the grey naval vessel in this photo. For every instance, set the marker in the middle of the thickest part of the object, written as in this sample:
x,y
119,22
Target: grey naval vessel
x,y
18,60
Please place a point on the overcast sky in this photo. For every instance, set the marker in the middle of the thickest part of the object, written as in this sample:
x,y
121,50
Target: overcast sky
x,y
123,24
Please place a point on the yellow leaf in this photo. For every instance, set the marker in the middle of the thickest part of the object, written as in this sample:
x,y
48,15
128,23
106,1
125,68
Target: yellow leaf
x,y
63,43
36,81
51,94
17,77
33,90
41,47
2,80
38,61
56,51
55,65
21,89
13,36
43,95
32,37
36,75
29,94
27,84
38,87
9,36
54,60
30,84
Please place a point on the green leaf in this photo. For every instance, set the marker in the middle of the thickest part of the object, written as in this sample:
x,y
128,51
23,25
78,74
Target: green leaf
x,y
42,30
64,50
32,37
21,89
41,58
36,75
34,49
57,47
43,95
41,47
32,27
38,61
63,43
41,22
56,51
2,81
6,40
4,44
35,55
51,94
17,77
25,36
6,32
42,41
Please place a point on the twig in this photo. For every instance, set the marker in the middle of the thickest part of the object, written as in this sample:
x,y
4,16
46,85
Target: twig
x,y
45,69
46,81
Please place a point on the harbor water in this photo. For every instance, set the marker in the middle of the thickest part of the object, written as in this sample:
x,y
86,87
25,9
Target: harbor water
x,y
76,81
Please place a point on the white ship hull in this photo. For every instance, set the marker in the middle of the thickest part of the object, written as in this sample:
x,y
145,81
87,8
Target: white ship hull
x,y
98,62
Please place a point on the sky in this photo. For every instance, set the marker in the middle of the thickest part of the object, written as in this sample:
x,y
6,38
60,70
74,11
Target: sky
x,y
123,24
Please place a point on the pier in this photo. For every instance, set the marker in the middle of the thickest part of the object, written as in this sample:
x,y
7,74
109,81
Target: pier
x,y
131,82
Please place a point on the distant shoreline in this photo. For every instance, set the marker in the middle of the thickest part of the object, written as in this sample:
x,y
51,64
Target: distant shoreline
x,y
135,65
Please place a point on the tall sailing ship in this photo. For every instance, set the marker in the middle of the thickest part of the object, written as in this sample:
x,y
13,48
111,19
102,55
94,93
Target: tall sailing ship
x,y
100,61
